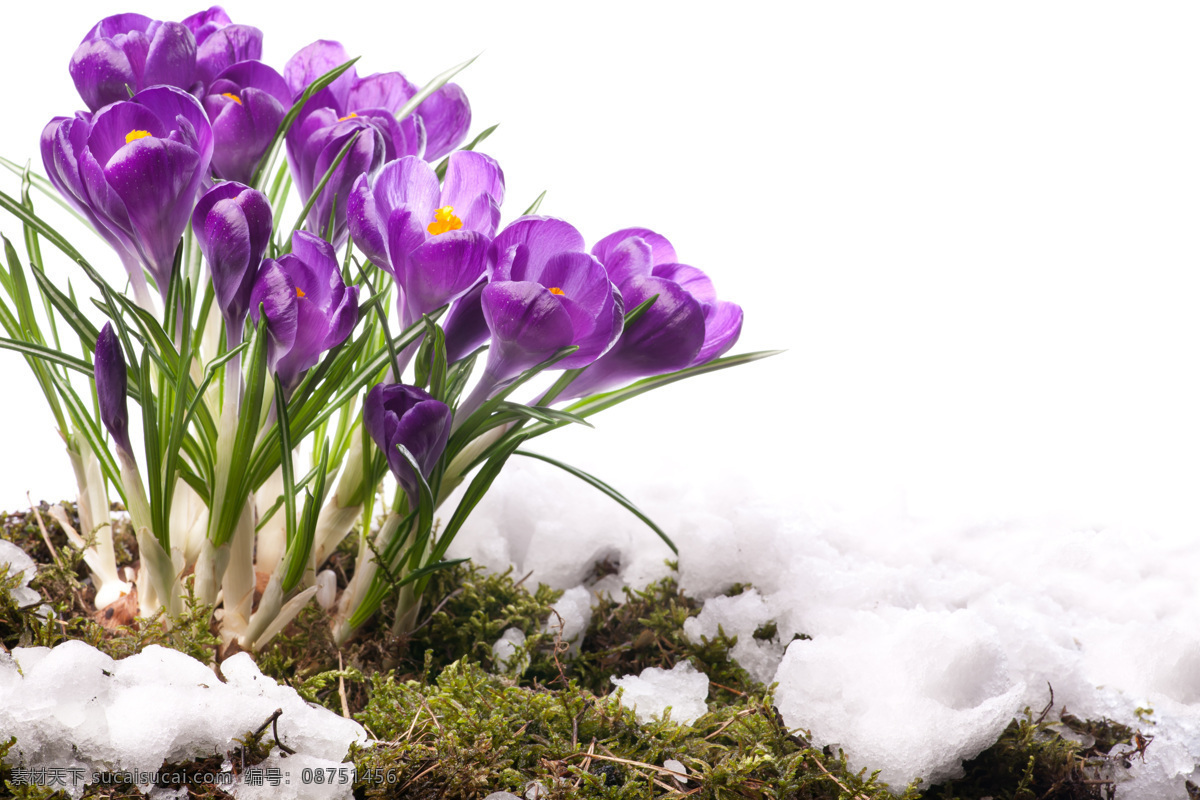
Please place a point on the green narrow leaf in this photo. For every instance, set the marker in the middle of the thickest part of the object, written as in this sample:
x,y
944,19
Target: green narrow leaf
x,y
48,354
595,482
536,204
440,169
43,185
68,309
541,413
150,431
475,491
430,88
295,560
285,461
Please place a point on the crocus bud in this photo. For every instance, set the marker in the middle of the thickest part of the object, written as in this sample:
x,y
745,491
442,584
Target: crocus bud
x,y
396,414
112,385
232,224
308,308
545,293
134,51
246,103
686,326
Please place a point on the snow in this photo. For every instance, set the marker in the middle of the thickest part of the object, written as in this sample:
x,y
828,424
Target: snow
x,y
928,635
683,689
509,652
13,560
73,707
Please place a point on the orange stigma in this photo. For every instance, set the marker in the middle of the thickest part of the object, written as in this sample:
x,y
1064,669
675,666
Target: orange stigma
x,y
299,292
444,220
232,97
556,290
348,116
129,137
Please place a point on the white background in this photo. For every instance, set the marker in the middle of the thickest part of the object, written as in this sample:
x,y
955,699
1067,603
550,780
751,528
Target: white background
x,y
974,229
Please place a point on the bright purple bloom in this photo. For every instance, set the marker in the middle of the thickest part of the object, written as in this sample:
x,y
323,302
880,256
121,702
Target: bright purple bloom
x,y
687,325
309,309
64,140
246,103
433,240
546,293
220,44
137,167
131,50
396,414
232,224
445,115
112,385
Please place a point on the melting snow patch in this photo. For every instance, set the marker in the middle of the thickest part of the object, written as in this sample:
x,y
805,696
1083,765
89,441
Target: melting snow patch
x,y
682,688
73,707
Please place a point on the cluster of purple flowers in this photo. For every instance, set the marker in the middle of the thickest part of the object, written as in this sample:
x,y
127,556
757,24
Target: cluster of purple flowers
x,y
180,114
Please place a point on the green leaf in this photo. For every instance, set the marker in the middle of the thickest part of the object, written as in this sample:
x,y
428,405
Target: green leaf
x,y
44,186
599,402
296,559
285,461
48,354
536,204
83,327
430,88
475,491
541,414
158,512
445,162
606,489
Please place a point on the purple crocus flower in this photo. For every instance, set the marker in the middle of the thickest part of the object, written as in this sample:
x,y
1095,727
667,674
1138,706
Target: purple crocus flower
x,y
687,325
309,309
433,240
546,293
134,51
445,115
64,140
397,414
220,44
137,167
112,385
316,139
232,224
246,103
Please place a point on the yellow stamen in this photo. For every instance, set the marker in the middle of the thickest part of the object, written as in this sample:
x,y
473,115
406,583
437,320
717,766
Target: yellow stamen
x,y
129,137
556,290
444,220
348,116
232,97
299,292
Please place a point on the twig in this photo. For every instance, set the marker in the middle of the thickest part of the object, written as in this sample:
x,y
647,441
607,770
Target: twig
x,y
42,527
729,722
342,687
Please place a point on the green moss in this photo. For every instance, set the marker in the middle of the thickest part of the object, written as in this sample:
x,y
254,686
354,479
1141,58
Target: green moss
x,y
471,733
1034,759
